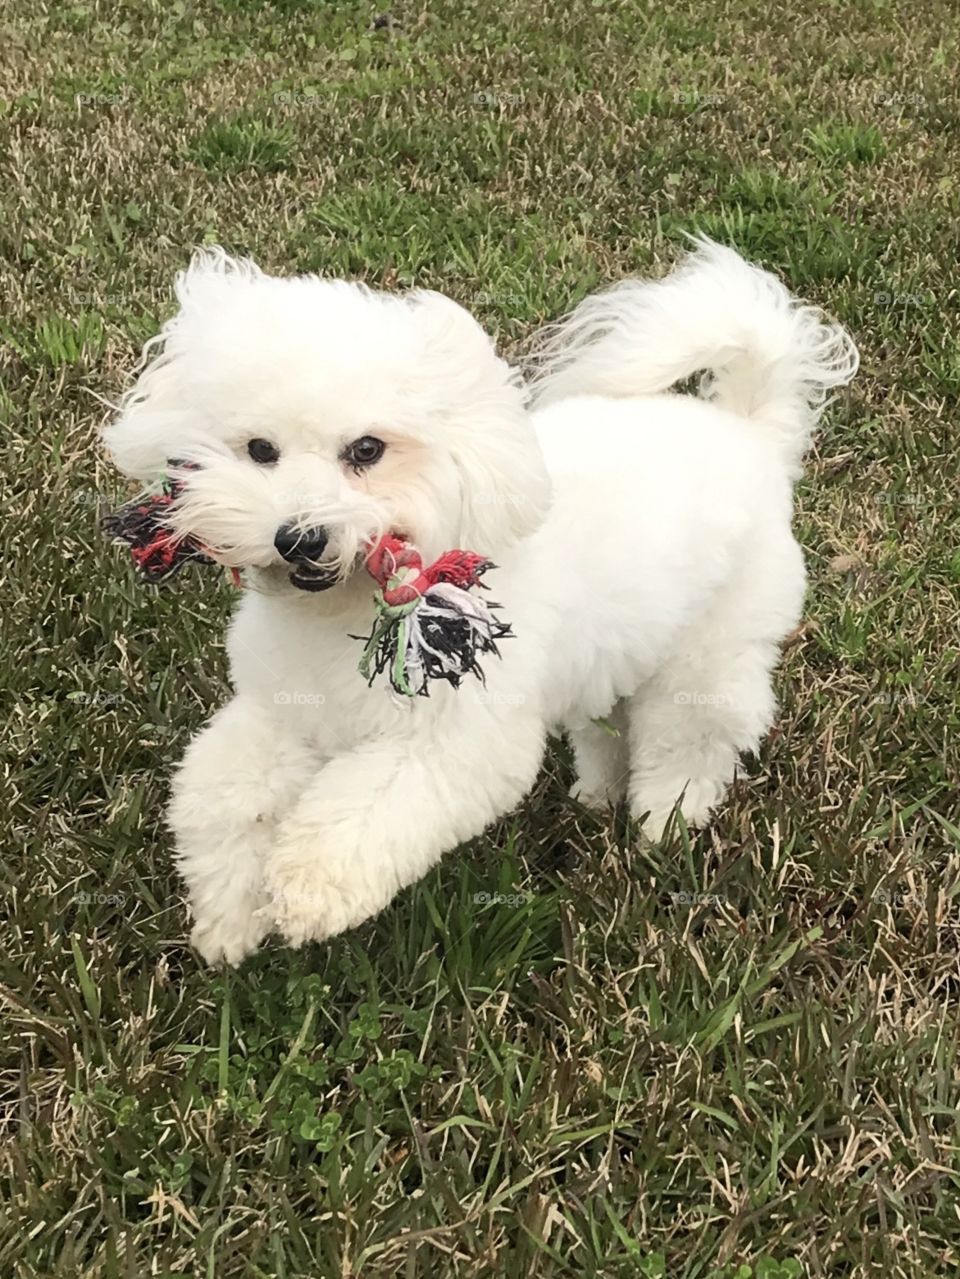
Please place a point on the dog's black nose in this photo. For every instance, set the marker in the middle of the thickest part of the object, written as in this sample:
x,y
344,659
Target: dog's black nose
x,y
300,544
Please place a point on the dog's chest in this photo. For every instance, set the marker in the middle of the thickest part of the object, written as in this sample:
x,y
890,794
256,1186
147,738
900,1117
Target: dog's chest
x,y
306,669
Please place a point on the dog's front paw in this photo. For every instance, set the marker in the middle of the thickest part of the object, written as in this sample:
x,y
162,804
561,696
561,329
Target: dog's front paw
x,y
220,937
313,898
599,798
657,810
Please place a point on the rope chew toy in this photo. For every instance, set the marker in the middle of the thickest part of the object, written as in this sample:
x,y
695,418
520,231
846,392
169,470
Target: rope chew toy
x,y
427,625
157,552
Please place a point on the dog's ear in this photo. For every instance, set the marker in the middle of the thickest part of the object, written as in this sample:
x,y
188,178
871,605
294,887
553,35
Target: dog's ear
x,y
483,424
156,419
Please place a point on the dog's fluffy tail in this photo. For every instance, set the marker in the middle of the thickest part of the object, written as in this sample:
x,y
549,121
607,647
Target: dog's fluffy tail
x,y
763,354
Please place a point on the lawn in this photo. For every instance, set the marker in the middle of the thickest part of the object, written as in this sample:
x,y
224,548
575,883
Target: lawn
x,y
564,1053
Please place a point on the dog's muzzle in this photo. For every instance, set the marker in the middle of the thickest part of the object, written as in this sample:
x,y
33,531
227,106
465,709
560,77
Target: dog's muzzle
x,y
302,548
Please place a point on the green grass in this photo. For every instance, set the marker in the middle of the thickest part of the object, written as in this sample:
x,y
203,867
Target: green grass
x,y
563,1053
243,144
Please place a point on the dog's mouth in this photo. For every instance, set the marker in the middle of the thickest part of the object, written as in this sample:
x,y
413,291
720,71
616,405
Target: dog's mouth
x,y
307,575
313,577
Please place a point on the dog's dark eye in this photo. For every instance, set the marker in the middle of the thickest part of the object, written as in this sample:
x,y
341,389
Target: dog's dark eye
x,y
263,451
364,452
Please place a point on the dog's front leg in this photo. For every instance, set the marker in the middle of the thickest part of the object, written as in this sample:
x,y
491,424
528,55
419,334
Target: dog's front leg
x,y
377,818
240,774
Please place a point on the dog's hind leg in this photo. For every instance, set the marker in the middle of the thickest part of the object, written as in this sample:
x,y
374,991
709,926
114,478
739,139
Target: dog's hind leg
x,y
602,759
688,728
713,700
239,777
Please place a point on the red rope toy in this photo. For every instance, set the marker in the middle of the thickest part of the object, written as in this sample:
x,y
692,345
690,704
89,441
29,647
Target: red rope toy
x,y
157,552
427,625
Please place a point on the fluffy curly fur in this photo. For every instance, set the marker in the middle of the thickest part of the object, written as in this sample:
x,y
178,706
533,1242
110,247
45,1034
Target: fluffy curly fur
x,y
643,538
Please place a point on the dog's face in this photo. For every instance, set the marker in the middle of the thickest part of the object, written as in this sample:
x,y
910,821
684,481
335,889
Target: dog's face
x,y
318,415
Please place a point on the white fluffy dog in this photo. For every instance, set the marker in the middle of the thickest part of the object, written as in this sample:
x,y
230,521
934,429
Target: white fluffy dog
x,y
642,538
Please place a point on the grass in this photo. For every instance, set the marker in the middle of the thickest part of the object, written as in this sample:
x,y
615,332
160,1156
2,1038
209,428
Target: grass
x,y
562,1053
243,144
